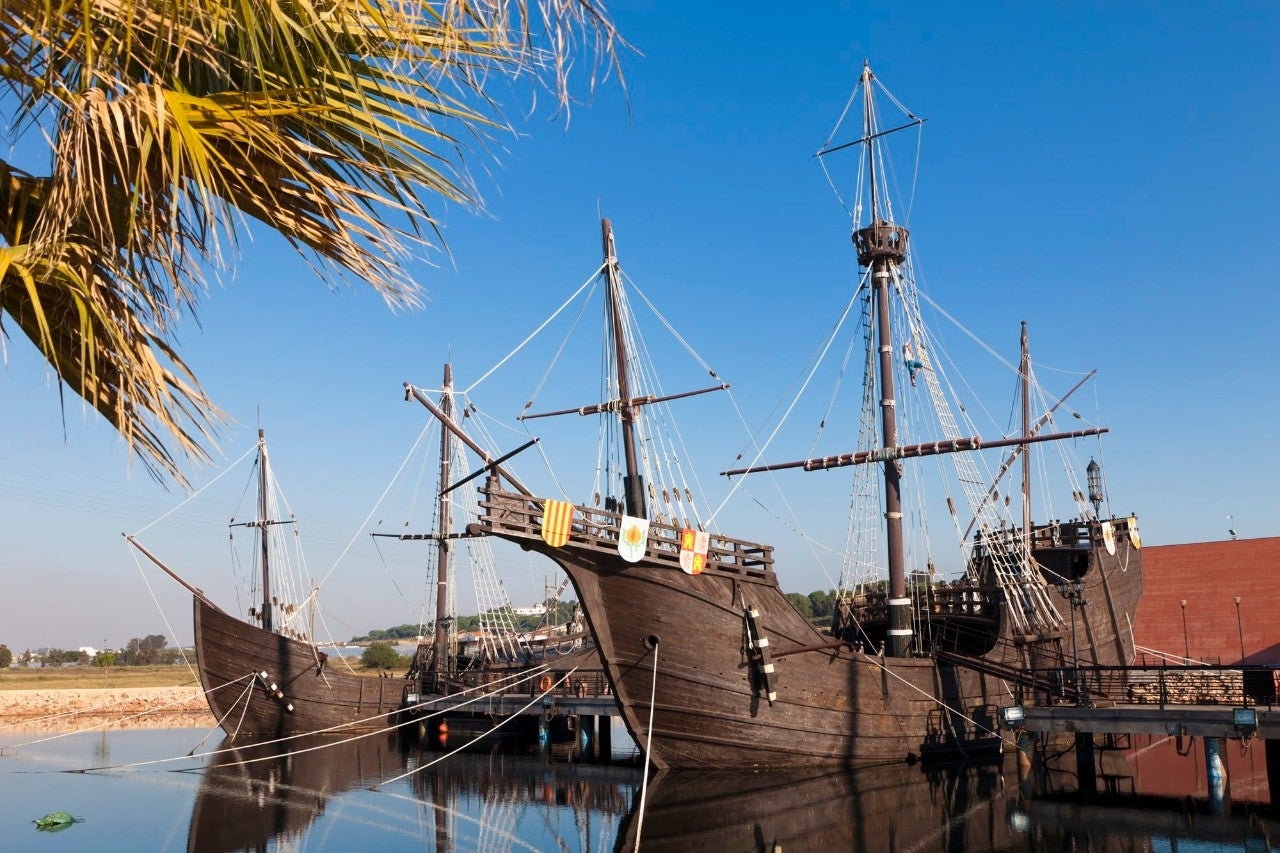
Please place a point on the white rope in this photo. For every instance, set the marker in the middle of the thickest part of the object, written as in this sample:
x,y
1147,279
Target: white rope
x,y
503,684
97,725
514,840
198,491
315,589
648,750
172,634
939,702
535,332
821,356
535,700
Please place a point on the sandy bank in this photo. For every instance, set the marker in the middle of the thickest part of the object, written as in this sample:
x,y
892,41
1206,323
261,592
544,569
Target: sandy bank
x,y
120,707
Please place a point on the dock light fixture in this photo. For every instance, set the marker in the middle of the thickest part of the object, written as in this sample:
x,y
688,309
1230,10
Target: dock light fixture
x,y
1246,721
1012,716
1240,628
1186,642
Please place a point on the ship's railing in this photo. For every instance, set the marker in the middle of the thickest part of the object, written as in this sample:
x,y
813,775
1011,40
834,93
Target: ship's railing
x,y
1239,686
929,600
1076,533
598,529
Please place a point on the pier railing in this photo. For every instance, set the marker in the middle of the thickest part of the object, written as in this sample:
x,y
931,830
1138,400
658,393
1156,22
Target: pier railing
x,y
580,684
1162,686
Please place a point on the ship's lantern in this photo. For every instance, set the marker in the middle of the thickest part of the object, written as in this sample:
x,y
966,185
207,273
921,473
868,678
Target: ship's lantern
x,y
1094,473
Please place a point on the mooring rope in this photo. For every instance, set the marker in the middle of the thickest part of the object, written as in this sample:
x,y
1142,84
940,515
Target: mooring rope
x,y
535,700
54,717
648,747
940,703
502,684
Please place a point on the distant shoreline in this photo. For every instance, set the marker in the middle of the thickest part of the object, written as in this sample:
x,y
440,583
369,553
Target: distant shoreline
x,y
111,707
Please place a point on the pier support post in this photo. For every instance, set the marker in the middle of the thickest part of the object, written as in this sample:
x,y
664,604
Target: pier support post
x,y
1086,768
1219,785
587,736
604,740
1272,748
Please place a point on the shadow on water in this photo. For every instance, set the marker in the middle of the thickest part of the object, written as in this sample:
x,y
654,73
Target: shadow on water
x,y
880,808
259,795
325,794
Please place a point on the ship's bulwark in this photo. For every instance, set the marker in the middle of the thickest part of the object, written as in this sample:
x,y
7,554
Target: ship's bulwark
x,y
308,695
684,640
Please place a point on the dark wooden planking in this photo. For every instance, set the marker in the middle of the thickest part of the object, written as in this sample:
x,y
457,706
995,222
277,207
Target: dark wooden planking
x,y
833,706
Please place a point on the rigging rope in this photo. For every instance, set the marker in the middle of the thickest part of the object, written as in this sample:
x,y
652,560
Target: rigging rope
x,y
648,750
535,332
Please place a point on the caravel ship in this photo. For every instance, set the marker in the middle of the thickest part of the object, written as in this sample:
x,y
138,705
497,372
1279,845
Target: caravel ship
x,y
713,666
265,674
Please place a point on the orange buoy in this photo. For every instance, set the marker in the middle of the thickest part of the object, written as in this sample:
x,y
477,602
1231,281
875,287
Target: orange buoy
x,y
545,684
442,733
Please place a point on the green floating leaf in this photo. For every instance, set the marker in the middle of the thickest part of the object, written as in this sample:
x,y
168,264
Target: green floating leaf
x,y
54,822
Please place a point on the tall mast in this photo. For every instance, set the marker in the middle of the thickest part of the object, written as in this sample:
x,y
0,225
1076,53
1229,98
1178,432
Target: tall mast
x,y
264,525
881,248
633,481
440,657
1024,372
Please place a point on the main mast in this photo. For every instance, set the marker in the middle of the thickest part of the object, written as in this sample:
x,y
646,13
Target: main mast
x,y
1024,375
633,480
882,246
264,480
440,656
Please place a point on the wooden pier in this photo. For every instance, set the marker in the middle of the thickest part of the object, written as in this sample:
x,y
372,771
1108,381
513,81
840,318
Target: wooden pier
x,y
580,701
1214,703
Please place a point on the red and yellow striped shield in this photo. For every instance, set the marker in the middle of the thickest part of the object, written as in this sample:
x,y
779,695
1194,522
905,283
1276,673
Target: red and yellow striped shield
x,y
557,518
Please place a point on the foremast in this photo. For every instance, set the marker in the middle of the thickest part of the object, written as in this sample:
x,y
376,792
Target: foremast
x,y
633,480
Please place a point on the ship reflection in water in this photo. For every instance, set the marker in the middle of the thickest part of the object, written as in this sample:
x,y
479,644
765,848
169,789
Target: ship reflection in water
x,y
375,793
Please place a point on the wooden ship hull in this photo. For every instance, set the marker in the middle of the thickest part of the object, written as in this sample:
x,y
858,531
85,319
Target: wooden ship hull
x,y
261,682
739,678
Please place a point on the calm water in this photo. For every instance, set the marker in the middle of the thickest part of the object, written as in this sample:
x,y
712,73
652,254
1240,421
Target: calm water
x,y
140,790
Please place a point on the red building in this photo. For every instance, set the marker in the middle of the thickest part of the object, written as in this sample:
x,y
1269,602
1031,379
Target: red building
x,y
1215,602
1228,593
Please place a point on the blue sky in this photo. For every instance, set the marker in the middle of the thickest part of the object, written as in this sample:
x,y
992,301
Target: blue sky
x,y
1102,171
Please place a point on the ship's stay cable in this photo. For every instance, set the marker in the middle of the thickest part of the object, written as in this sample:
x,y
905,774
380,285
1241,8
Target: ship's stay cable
x,y
590,280
173,635
823,349
364,524
196,493
648,750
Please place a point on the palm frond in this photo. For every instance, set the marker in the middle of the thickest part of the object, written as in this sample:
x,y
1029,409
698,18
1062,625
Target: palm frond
x,y
340,124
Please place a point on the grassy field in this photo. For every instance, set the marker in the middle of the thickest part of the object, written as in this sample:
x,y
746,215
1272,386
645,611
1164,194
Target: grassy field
x,y
80,677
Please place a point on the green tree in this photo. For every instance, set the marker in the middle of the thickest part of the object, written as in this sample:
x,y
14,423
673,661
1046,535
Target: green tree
x,y
801,603
6,657
104,659
143,651
821,602
381,656
170,125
